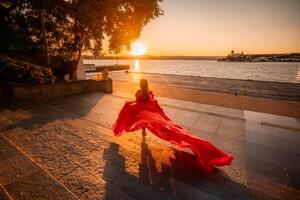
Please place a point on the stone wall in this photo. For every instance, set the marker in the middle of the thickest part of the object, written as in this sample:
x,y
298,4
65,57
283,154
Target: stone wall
x,y
21,91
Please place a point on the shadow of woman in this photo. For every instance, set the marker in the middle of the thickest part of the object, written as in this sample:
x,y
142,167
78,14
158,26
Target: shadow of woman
x,y
159,179
121,183
148,172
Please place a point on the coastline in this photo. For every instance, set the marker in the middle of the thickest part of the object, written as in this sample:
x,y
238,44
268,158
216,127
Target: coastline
x,y
264,71
150,57
265,89
241,57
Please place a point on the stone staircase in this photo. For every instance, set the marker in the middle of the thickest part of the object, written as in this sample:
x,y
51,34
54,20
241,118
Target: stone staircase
x,y
48,153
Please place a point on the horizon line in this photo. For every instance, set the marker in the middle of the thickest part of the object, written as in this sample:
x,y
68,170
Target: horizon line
x,y
176,56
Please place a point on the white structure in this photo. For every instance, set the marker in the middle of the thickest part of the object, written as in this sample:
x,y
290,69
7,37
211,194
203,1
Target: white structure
x,y
80,70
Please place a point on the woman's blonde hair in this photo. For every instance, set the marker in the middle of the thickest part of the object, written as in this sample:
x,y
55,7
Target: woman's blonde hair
x,y
145,89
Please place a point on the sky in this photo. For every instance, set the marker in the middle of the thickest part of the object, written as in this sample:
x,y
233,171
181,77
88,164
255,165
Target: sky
x,y
215,27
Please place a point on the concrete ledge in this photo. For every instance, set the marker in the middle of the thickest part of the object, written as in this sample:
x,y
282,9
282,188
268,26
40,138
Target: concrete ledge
x,y
21,91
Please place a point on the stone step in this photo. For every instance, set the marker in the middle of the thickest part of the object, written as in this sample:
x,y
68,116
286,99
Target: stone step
x,y
283,191
132,156
82,183
66,171
95,135
230,171
167,165
88,125
22,178
4,194
132,144
134,168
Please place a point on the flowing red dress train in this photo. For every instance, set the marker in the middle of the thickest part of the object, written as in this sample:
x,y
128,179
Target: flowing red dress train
x,y
148,114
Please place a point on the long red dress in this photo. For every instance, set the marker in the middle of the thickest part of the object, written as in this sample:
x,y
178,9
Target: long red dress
x,y
148,114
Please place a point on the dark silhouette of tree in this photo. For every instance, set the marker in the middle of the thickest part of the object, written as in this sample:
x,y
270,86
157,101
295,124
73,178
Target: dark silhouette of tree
x,y
66,28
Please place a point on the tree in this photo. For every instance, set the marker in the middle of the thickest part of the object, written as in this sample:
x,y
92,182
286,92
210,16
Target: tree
x,y
67,28
119,21
31,26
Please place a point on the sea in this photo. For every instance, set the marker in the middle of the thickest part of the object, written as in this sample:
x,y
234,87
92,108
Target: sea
x,y
262,71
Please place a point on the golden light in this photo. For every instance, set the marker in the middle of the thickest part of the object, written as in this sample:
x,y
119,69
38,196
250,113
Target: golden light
x,y
136,65
137,49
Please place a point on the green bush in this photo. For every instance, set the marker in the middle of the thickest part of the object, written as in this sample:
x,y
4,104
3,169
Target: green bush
x,y
19,71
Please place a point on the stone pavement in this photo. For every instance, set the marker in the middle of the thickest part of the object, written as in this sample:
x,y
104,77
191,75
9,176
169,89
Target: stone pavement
x,y
63,148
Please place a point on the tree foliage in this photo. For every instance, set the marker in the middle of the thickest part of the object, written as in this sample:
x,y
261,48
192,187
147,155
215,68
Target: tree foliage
x,y
66,28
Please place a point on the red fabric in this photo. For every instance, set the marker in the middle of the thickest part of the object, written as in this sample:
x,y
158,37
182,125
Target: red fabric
x,y
140,114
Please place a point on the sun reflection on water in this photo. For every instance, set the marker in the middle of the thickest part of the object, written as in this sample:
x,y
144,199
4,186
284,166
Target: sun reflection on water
x,y
136,65
136,68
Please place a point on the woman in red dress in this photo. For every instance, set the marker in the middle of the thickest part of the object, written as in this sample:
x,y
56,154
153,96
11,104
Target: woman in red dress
x,y
145,112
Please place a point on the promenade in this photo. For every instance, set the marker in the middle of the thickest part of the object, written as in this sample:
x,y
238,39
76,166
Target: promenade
x,y
228,100
240,87
63,148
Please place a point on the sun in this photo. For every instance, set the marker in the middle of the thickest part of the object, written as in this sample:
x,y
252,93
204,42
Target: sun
x,y
137,49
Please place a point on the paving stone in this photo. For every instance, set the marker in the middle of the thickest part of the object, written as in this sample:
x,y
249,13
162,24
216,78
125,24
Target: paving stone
x,y
49,159
287,145
54,141
18,136
86,186
272,131
275,119
262,188
6,149
179,190
111,192
106,164
4,194
207,123
264,169
41,151
260,139
100,170
232,128
60,167
23,179
17,115
182,117
234,113
70,134
235,147
77,157
137,189
13,165
222,189
265,154
38,186
4,123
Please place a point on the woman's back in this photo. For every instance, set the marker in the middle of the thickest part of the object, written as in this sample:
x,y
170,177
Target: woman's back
x,y
141,96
